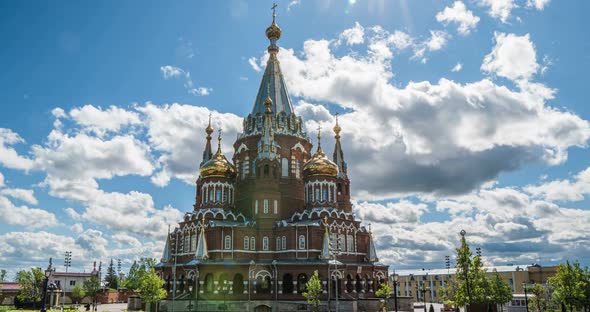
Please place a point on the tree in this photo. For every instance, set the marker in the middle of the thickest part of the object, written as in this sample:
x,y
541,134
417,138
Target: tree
x,y
92,289
538,302
500,291
2,275
384,292
31,285
448,292
472,284
151,287
77,294
136,271
568,284
111,276
313,291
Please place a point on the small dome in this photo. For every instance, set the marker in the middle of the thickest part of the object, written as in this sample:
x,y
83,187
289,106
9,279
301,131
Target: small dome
x,y
273,32
319,164
217,166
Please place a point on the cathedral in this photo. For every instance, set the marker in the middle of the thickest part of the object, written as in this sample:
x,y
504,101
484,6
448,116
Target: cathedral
x,y
265,220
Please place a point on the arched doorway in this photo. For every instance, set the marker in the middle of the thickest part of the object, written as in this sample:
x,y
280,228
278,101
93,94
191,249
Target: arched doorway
x,y
287,284
349,286
301,283
262,308
336,283
238,284
209,283
263,284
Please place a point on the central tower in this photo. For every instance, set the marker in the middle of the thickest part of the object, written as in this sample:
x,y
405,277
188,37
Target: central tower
x,y
263,222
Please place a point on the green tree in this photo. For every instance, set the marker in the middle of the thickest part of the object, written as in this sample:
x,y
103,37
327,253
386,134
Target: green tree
x,y
448,292
31,285
136,271
2,275
77,294
151,287
313,291
92,288
384,292
472,284
111,276
568,284
500,291
538,300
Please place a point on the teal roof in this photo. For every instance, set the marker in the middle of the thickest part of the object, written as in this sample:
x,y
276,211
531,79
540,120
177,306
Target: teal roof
x,y
273,82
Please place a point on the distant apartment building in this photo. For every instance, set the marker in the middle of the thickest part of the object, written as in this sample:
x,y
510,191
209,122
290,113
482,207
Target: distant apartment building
x,y
422,284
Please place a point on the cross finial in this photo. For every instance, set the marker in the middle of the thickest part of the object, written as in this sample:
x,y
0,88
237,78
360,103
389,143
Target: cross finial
x,y
274,11
219,141
319,137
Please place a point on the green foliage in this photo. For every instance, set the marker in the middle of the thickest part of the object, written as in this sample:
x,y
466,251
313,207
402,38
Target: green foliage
x,y
313,291
111,276
472,284
500,291
151,287
384,291
77,294
448,292
537,302
3,275
31,285
570,284
92,288
136,271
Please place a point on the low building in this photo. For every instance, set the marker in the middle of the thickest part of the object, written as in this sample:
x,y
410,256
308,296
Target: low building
x,y
422,285
66,281
8,291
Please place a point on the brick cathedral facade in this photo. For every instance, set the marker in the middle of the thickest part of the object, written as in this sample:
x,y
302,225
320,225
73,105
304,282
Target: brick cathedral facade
x,y
263,222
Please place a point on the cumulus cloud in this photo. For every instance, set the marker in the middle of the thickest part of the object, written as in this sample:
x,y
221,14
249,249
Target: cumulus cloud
x,y
457,67
513,57
1,179
98,120
567,190
537,4
352,36
459,14
24,195
500,9
169,72
9,157
23,215
438,39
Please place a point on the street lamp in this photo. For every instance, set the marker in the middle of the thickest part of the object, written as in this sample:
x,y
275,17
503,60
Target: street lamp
x,y
67,264
45,282
526,300
423,290
395,277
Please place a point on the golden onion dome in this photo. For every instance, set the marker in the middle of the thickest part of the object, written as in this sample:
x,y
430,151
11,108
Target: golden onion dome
x,y
273,32
319,164
218,166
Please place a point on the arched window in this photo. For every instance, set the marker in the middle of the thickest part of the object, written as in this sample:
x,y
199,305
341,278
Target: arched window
x,y
252,243
227,244
187,242
284,167
325,193
317,194
265,243
244,168
275,206
256,206
339,188
266,170
284,242
246,243
287,284
301,241
218,195
278,243
301,283
238,285
211,198
266,206
209,283
349,243
297,169
194,242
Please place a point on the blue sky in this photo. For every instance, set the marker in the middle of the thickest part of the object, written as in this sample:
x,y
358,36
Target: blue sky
x,y
456,114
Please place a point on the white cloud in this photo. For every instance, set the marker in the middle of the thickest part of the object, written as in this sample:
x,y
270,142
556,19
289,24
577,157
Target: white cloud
x,y
1,179
537,4
171,71
23,215
255,66
177,72
513,57
9,157
77,228
72,213
499,8
352,36
457,67
21,194
569,190
292,4
438,39
98,120
459,14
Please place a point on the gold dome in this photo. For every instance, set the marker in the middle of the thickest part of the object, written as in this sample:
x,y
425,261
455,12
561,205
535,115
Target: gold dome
x,y
273,32
218,166
319,164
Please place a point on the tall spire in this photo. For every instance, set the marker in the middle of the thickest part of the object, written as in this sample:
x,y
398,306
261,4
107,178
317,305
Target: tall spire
x,y
207,153
202,250
166,253
266,145
338,156
372,251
